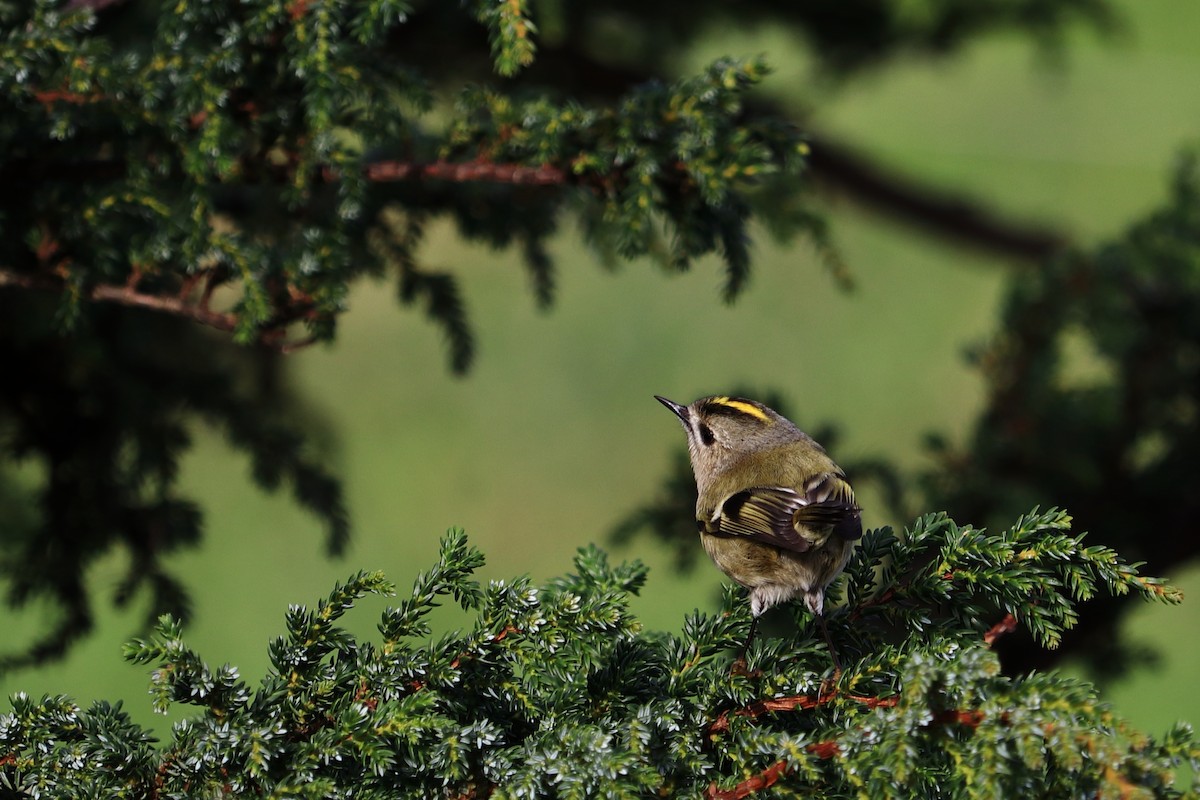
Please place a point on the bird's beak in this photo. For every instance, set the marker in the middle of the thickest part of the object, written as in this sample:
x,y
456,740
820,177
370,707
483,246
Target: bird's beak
x,y
680,411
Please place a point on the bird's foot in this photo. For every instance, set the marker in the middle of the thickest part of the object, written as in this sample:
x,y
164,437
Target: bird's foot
x,y
739,668
829,684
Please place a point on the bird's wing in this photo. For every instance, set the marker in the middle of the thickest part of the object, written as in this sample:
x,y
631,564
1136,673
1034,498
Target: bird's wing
x,y
831,502
790,519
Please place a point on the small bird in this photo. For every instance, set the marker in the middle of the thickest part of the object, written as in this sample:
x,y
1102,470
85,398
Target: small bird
x,y
775,513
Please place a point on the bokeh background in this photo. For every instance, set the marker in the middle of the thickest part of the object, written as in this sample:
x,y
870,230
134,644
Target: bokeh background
x,y
553,437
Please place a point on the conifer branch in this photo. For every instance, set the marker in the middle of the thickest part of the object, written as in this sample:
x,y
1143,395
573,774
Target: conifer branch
x,y
585,703
763,780
95,5
1006,625
864,178
828,749
942,213
480,170
804,702
178,305
126,296
388,171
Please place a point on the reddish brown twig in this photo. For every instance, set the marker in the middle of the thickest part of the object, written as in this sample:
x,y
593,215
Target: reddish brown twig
x,y
50,96
479,171
749,786
971,718
127,296
417,686
476,791
802,701
502,635
1006,625
178,304
95,5
882,598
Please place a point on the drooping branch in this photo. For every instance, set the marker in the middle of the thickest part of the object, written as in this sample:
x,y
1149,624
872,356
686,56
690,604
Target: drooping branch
x,y
128,296
841,168
478,171
803,701
857,174
95,5
937,211
829,748
1006,625
768,777
179,305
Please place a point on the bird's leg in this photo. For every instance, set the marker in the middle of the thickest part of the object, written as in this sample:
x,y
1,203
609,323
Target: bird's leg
x,y
739,664
815,601
837,667
749,638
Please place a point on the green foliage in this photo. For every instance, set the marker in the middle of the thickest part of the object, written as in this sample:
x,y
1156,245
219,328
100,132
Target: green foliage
x,y
1092,400
557,691
261,146
1033,571
238,165
665,157
252,146
106,414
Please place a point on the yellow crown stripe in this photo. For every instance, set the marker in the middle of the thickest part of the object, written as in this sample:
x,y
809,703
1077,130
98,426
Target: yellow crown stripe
x,y
741,405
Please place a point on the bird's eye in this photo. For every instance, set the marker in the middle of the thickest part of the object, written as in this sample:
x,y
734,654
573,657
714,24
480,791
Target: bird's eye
x,y
706,434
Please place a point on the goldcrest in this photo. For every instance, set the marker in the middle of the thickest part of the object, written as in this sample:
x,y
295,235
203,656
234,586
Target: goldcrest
x,y
775,513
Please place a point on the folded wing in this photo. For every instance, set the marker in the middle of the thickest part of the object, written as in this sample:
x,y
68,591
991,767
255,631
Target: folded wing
x,y
791,519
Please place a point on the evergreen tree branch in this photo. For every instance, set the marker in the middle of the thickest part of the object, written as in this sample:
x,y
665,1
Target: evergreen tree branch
x,y
852,171
127,296
840,167
803,702
1006,625
763,780
94,5
106,413
174,304
953,216
585,703
479,170
830,749
1119,446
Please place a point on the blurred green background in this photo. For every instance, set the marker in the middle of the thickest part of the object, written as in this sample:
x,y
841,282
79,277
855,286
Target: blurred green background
x,y
553,437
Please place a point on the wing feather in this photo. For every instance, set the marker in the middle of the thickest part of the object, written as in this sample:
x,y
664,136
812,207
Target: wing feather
x,y
790,519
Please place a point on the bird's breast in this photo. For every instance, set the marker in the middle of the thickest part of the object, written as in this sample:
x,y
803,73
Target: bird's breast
x,y
751,564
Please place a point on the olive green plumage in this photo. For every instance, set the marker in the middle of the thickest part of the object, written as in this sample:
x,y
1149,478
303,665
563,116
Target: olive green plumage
x,y
775,513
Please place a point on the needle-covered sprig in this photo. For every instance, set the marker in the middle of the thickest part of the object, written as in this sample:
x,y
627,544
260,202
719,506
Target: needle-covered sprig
x,y
558,691
958,580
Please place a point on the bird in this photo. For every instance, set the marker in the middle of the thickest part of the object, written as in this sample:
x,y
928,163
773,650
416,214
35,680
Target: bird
x,y
774,512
